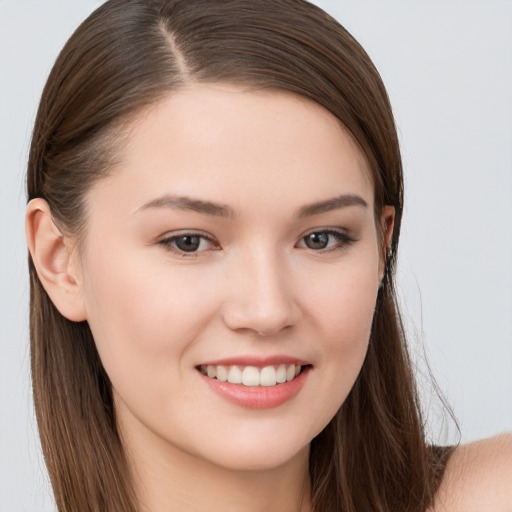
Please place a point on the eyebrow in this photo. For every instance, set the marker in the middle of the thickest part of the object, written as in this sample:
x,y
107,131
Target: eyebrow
x,y
222,210
190,204
334,203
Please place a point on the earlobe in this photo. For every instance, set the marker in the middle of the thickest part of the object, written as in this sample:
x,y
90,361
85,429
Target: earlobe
x,y
53,260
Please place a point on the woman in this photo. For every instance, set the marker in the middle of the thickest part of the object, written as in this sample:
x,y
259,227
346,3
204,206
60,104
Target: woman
x,y
215,203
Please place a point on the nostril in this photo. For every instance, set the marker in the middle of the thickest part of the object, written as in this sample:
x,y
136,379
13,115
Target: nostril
x,y
263,312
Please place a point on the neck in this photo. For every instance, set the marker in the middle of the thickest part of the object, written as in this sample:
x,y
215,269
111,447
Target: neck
x,y
169,479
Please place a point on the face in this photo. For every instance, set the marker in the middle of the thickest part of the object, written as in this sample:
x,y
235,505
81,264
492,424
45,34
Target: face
x,y
233,248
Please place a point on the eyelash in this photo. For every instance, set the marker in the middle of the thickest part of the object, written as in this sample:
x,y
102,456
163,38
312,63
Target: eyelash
x,y
343,240
341,236
168,243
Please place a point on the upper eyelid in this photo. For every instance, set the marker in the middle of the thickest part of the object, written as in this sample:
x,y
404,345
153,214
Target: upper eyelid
x,y
336,230
184,232
325,229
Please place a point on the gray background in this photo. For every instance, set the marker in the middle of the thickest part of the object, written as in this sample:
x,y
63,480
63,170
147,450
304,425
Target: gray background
x,y
448,69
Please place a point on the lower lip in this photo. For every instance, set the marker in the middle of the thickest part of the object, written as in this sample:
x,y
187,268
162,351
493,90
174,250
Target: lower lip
x,y
258,397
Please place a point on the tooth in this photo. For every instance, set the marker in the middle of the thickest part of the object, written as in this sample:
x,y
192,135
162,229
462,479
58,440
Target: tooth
x,y
281,374
235,375
222,373
268,376
251,376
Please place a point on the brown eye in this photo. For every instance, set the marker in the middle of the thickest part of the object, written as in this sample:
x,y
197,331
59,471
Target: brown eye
x,y
317,240
326,240
187,243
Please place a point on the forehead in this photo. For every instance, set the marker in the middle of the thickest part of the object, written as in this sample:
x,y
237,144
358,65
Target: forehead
x,y
241,147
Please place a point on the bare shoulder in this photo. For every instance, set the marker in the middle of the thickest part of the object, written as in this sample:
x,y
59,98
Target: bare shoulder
x,y
478,477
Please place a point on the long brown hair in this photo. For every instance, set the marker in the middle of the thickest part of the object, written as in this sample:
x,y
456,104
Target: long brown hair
x,y
129,54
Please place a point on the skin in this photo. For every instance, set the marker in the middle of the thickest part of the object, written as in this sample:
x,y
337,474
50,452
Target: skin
x,y
253,288
478,477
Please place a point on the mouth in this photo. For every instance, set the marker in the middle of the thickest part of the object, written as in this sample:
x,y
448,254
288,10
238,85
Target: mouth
x,y
256,383
254,376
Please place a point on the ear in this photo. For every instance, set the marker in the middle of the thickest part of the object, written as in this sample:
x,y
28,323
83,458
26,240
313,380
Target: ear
x,y
55,263
388,224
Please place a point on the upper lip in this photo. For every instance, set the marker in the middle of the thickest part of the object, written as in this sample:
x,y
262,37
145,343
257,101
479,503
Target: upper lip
x,y
257,361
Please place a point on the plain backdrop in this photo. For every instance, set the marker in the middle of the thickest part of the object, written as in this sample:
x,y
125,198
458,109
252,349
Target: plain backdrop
x,y
448,69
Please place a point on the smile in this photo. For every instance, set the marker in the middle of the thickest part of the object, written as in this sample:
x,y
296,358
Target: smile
x,y
252,376
256,382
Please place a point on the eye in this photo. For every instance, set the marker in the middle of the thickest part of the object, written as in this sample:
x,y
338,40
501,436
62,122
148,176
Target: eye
x,y
188,243
326,240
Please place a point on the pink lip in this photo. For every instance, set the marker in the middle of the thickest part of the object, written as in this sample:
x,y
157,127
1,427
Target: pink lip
x,y
259,362
257,397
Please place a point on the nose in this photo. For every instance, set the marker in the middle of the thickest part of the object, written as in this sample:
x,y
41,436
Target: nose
x,y
260,296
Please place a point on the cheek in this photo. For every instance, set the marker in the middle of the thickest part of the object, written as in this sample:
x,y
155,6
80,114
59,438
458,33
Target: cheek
x,y
343,302
342,299
141,320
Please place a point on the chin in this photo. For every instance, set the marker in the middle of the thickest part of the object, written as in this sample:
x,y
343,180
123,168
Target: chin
x,y
259,456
